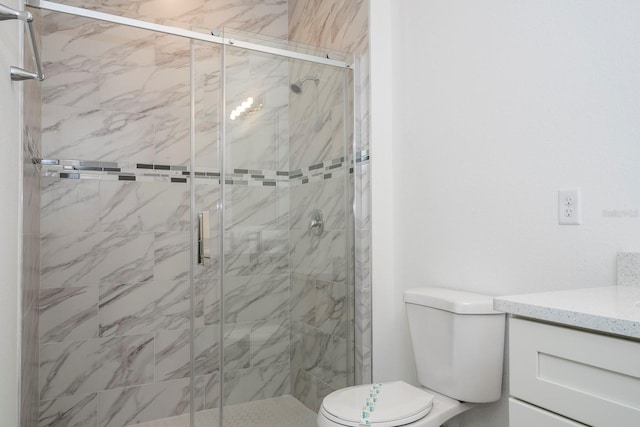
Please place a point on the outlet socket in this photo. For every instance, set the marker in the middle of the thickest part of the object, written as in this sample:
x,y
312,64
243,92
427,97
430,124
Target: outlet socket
x,y
569,211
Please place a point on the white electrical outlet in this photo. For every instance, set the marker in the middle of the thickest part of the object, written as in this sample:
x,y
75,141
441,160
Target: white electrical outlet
x,y
569,207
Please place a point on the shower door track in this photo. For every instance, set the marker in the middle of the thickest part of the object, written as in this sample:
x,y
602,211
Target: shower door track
x,y
136,23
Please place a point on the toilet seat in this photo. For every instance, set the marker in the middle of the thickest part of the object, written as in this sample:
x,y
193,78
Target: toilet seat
x,y
394,404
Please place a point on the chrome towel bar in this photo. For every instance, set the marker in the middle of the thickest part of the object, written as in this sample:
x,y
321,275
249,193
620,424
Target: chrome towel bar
x,y
17,73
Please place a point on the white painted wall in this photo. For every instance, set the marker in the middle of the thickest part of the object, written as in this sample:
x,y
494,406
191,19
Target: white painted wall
x,y
10,172
495,106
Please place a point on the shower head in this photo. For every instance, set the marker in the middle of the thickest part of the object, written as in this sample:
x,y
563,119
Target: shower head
x,y
297,86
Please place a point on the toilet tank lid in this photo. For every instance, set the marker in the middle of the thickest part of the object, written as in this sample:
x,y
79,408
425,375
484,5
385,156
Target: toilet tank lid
x,y
458,302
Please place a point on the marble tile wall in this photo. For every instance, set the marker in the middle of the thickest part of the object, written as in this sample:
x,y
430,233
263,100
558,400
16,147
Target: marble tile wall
x,y
114,304
267,18
319,310
114,300
30,244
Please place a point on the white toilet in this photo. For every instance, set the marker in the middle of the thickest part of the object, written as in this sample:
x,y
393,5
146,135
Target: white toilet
x,y
458,342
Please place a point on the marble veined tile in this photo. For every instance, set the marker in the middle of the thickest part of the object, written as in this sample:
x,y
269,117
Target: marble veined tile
x,y
331,308
363,365
124,48
363,196
94,134
145,89
172,353
207,287
207,64
143,307
207,350
323,390
256,252
271,73
315,346
338,357
304,387
171,255
172,356
303,299
208,198
30,248
172,51
321,257
72,79
172,140
177,11
244,241
238,264
68,314
268,18
212,391
31,196
297,344
317,137
80,3
90,259
207,141
237,345
270,263
270,342
71,411
252,140
69,34
328,196
83,367
251,207
68,205
251,298
325,357
263,382
316,116
144,206
335,25
30,319
362,294
133,405
237,75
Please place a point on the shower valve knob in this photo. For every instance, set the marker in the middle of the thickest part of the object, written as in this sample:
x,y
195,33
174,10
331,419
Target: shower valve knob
x,y
316,225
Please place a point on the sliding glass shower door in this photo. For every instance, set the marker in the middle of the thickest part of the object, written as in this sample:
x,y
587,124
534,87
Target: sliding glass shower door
x,y
196,227
287,246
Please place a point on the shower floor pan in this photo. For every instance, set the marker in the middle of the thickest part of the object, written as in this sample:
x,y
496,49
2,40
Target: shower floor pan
x,y
283,411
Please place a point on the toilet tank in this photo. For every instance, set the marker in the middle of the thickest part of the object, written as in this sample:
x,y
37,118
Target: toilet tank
x,y
458,343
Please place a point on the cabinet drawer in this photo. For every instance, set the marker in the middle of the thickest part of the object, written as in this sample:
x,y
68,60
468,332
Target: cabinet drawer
x,y
524,415
591,378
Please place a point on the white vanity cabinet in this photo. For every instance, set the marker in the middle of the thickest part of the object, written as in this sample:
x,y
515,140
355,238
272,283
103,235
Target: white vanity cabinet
x,y
565,377
524,415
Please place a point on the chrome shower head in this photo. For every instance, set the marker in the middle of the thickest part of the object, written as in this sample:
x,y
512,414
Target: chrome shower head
x,y
297,86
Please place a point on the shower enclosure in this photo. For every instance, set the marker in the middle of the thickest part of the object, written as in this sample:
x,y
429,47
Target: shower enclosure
x,y
197,225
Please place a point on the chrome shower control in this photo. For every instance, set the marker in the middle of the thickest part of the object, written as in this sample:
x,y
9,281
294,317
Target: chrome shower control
x,y
316,225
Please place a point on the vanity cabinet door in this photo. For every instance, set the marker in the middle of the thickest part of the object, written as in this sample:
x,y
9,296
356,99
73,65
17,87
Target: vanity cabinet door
x,y
588,377
524,415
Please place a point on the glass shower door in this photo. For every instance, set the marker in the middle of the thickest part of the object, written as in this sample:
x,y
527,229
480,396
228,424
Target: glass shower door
x,y
206,60
286,288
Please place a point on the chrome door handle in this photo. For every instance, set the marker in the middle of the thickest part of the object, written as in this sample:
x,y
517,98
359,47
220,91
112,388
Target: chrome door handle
x,y
204,240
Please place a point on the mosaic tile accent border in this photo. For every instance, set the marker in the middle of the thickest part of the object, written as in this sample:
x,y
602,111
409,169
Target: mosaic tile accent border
x,y
148,172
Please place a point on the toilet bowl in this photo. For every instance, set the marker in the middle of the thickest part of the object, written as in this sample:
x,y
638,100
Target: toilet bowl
x,y
397,404
458,342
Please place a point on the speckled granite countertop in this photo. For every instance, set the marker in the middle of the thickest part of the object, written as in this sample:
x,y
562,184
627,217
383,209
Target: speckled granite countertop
x,y
613,309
